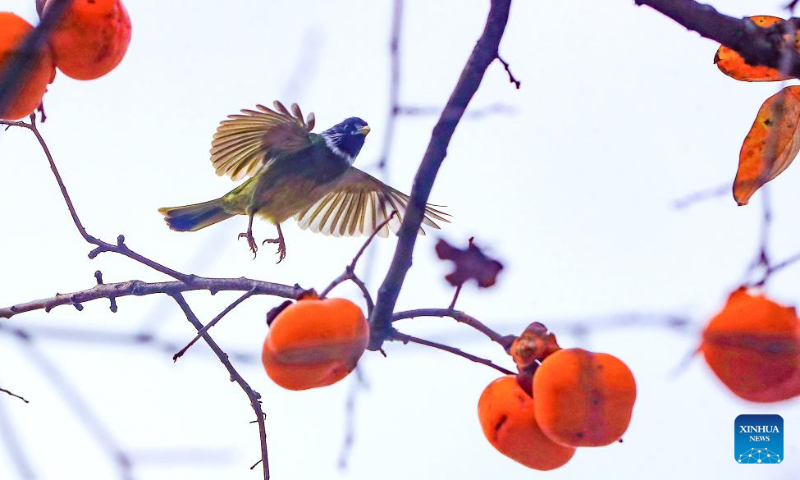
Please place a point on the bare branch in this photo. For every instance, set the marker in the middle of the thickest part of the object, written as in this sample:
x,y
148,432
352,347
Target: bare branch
x,y
394,84
696,197
139,288
405,338
213,322
484,53
511,77
459,316
358,383
350,270
101,246
15,450
109,338
252,395
8,392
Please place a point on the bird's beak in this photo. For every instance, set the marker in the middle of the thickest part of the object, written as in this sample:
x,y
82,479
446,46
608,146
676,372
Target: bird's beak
x,y
364,130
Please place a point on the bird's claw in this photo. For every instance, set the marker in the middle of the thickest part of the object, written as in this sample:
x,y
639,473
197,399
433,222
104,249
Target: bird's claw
x,y
251,242
281,247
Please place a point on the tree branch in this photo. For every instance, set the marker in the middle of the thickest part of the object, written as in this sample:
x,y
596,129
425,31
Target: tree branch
x,y
213,322
484,53
10,393
120,247
459,316
139,288
350,270
405,338
758,46
252,395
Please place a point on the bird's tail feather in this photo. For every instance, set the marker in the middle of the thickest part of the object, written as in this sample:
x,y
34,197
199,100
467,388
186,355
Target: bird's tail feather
x,y
191,218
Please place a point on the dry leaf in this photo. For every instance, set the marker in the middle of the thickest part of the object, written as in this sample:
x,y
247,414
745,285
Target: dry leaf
x,y
470,263
771,145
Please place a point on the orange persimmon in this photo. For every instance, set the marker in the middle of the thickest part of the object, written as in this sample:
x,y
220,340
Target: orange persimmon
x,y
583,399
91,38
508,420
753,346
13,31
314,343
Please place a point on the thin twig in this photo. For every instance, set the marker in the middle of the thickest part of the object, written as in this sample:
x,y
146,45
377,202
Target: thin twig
x,y
696,197
101,246
213,322
357,383
15,450
455,297
483,54
252,395
8,392
459,316
350,270
473,114
511,77
394,86
405,338
108,338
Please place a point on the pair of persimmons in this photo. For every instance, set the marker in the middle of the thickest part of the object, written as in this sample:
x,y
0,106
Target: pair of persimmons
x,y
90,40
582,398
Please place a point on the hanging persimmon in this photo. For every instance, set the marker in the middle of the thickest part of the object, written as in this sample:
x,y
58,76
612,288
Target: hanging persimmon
x,y
33,83
753,347
508,419
91,38
583,399
313,343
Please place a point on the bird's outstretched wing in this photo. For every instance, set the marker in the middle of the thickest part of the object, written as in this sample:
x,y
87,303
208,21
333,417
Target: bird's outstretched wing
x,y
358,204
245,141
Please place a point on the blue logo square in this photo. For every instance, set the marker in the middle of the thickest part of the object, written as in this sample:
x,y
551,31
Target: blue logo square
x,y
758,439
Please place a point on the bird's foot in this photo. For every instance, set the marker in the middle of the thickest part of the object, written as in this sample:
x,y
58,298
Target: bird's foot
x,y
281,247
251,242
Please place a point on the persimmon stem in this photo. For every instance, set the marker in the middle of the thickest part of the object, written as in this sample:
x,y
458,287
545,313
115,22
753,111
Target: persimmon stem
x,y
405,338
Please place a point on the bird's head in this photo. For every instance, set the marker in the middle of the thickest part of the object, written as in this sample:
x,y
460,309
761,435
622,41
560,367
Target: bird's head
x,y
347,137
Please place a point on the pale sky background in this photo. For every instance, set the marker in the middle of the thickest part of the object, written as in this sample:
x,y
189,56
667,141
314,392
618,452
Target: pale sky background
x,y
621,111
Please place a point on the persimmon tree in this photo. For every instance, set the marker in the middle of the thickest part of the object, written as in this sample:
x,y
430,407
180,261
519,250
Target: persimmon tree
x,y
556,400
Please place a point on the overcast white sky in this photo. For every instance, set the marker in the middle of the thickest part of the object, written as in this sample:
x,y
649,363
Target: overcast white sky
x,y
621,111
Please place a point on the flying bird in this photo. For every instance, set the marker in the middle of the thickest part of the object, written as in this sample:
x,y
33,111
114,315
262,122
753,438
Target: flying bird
x,y
296,173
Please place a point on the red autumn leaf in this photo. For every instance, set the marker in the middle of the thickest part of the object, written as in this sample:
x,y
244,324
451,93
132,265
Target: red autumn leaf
x,y
771,145
470,263
733,65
